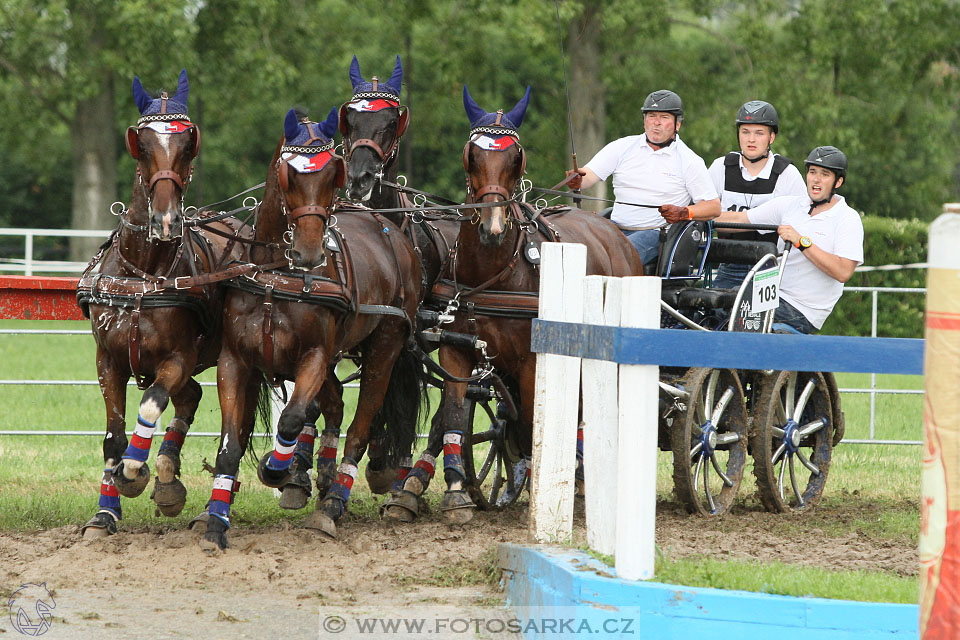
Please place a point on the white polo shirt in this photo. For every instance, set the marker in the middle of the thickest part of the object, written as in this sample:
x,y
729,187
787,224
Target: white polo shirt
x,y
790,183
672,175
838,230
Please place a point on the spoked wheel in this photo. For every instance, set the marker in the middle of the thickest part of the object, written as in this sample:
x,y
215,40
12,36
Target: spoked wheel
x,y
709,441
793,440
496,471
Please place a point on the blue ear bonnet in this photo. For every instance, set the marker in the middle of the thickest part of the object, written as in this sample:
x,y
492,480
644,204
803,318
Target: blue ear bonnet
x,y
148,105
481,118
364,89
297,130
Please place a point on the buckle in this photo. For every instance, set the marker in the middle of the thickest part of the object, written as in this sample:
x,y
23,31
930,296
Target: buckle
x,y
176,282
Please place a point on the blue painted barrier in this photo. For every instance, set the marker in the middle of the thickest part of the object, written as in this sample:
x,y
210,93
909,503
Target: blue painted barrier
x,y
731,350
565,587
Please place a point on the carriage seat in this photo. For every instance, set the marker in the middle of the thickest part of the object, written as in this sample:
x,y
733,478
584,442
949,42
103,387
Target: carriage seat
x,y
682,247
748,252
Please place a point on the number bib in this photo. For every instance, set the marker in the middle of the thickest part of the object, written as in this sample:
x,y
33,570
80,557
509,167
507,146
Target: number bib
x,y
766,292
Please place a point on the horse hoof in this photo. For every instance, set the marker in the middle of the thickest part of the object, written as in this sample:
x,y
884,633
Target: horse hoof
x,y
200,519
380,480
457,507
294,497
99,526
131,488
403,506
321,522
169,496
214,542
272,478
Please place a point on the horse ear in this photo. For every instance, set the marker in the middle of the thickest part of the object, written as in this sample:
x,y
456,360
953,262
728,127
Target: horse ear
x,y
396,80
329,126
195,133
140,97
355,77
474,112
183,89
291,125
516,114
132,141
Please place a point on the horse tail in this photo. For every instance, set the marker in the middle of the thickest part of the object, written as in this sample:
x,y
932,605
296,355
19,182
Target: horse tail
x,y
405,402
261,418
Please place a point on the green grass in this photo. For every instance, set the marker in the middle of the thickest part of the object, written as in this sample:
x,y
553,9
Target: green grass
x,y
54,481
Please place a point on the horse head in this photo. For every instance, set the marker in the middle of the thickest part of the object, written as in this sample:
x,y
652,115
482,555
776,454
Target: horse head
x,y
372,123
308,176
494,161
164,144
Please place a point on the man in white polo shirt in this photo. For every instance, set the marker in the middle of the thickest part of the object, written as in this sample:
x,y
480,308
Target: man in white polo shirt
x,y
827,235
752,176
653,173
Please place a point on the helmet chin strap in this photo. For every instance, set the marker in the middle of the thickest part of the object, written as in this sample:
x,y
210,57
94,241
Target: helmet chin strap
x,y
661,145
766,154
816,203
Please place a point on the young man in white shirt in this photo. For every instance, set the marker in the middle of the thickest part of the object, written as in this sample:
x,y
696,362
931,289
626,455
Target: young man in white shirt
x,y
827,235
652,173
752,176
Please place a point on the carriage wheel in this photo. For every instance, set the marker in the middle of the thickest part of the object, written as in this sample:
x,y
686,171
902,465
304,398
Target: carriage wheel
x,y
495,469
709,442
793,440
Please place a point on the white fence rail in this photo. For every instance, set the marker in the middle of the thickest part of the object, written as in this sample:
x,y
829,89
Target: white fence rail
x,y
28,264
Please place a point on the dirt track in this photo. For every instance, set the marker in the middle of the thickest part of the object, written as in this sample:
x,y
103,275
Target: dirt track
x,y
157,583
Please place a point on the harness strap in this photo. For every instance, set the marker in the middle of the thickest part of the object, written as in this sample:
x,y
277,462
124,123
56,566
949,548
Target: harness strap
x,y
166,174
268,331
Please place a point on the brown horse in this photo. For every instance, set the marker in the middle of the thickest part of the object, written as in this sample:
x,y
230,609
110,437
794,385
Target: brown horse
x,y
154,312
351,281
373,122
495,278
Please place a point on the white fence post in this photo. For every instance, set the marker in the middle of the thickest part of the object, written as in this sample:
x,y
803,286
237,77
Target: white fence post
x,y
601,305
637,437
557,397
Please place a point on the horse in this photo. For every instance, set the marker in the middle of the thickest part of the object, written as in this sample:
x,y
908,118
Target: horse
x,y
154,308
331,280
494,279
372,123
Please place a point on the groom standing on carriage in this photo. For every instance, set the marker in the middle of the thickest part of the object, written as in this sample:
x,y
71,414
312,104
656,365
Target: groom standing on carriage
x,y
653,173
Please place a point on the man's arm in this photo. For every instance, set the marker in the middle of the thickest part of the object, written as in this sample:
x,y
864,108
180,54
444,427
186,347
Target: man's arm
x,y
838,268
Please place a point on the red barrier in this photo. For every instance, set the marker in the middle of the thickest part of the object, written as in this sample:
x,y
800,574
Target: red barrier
x,y
39,298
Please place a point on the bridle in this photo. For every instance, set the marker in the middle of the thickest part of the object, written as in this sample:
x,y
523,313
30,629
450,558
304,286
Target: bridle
x,y
477,196
384,156
133,148
283,181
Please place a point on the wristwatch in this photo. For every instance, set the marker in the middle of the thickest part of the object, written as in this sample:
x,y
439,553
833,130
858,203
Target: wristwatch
x,y
803,243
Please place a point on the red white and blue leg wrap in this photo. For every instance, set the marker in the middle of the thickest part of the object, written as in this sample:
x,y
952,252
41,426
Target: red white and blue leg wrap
x,y
452,457
109,497
224,487
305,445
172,441
579,467
423,470
346,474
406,463
139,447
327,456
282,454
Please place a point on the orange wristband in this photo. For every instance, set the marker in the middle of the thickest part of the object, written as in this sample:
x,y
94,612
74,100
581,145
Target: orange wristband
x,y
689,214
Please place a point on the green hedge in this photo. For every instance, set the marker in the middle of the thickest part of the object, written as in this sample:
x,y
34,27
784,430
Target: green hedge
x,y
900,315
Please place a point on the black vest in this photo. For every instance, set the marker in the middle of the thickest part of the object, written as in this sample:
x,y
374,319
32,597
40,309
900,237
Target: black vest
x,y
733,179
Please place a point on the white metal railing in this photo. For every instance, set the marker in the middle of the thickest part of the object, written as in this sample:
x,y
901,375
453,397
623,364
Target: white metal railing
x,y
27,265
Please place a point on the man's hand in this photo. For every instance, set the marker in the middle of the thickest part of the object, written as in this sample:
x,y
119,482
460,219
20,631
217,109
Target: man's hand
x,y
789,234
577,181
672,213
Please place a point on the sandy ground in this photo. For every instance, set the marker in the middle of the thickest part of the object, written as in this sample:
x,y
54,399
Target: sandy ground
x,y
282,581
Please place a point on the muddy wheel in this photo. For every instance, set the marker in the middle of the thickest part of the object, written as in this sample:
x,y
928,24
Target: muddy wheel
x,y
793,440
495,469
709,441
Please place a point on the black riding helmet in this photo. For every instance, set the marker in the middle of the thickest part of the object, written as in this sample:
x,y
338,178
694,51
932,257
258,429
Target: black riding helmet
x,y
829,158
759,112
666,101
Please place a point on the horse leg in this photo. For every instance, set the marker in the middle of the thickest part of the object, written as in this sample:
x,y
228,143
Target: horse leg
x,y
380,476
296,492
239,389
168,492
132,473
406,502
113,387
379,357
456,504
332,403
